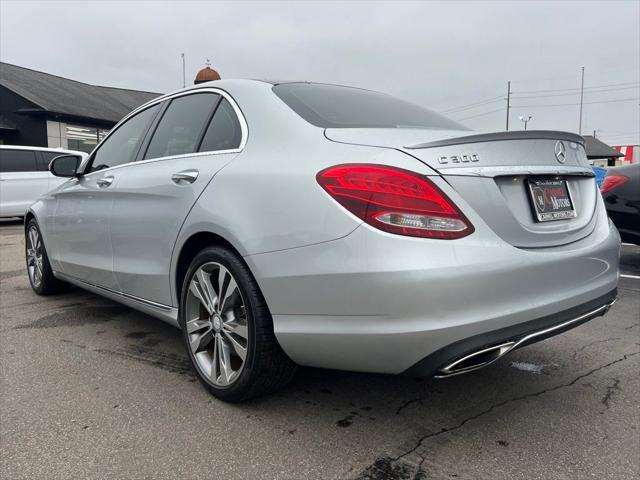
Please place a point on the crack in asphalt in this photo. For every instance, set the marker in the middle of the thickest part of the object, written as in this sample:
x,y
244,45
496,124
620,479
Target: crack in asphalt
x,y
393,471
407,403
515,399
419,472
583,347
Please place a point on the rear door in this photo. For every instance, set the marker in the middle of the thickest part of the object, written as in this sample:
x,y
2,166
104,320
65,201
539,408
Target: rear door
x,y
197,135
21,183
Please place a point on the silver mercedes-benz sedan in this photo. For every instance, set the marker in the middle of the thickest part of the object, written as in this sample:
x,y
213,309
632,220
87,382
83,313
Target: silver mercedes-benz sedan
x,y
283,224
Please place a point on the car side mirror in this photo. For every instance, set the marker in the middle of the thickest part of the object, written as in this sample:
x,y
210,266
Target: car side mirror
x,y
65,166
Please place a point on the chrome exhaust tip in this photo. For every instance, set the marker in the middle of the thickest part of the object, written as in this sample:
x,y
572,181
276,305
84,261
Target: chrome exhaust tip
x,y
475,360
488,355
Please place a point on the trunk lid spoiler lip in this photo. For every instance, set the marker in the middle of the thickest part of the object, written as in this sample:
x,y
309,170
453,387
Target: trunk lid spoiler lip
x,y
515,170
501,136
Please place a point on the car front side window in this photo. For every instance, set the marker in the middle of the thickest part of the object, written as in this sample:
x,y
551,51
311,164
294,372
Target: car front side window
x,y
122,145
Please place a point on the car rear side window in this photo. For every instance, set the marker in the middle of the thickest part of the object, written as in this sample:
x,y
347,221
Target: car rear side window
x,y
180,129
334,106
123,144
17,161
224,131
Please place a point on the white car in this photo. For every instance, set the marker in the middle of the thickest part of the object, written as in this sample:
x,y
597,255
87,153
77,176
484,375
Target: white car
x,y
25,176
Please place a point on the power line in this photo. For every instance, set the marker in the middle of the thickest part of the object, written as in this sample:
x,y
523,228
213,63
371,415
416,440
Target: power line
x,y
578,88
472,105
570,91
573,104
527,80
575,93
480,114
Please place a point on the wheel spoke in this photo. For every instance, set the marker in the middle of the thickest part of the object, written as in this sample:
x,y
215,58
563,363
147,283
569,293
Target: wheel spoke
x,y
196,289
39,266
224,359
196,325
204,279
240,349
237,329
222,275
229,291
202,341
213,374
33,238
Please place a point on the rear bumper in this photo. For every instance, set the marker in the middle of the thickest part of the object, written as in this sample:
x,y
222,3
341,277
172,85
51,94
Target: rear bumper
x,y
378,302
458,357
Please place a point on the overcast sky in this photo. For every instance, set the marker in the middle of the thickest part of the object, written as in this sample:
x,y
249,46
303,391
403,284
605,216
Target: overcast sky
x,y
441,55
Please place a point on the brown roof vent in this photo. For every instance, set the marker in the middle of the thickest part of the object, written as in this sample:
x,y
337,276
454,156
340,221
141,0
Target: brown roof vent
x,y
207,74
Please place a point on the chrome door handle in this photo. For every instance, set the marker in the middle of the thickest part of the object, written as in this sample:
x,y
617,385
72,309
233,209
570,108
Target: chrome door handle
x,y
104,182
185,176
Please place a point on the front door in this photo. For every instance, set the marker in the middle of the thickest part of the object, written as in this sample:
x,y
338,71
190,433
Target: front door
x,y
81,237
80,230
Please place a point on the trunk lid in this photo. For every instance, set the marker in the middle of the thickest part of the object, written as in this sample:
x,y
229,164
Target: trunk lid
x,y
492,172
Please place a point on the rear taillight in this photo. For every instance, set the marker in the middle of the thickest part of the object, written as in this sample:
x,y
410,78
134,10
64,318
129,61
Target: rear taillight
x,y
395,200
613,181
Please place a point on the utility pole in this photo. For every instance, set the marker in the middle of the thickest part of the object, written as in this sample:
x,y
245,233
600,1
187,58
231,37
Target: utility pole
x,y
581,98
184,81
508,100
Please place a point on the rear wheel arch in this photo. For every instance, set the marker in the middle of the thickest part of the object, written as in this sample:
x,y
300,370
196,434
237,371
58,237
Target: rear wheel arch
x,y
190,249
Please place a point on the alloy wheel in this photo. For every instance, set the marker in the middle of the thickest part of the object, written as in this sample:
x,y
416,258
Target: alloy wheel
x,y
216,324
34,256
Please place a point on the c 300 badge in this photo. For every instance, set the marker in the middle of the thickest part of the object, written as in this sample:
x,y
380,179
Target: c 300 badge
x,y
459,159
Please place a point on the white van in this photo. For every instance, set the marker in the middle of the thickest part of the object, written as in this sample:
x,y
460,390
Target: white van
x,y
25,176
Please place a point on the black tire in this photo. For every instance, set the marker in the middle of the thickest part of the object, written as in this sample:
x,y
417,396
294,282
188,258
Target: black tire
x,y
267,368
48,284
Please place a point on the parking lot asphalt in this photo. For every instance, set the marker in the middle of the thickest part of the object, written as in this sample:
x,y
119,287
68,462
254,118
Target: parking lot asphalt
x,y
92,389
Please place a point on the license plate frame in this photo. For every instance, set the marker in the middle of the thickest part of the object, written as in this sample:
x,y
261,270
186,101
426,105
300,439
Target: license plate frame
x,y
550,199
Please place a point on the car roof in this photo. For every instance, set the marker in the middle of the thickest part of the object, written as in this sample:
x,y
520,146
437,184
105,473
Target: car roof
x,y
226,83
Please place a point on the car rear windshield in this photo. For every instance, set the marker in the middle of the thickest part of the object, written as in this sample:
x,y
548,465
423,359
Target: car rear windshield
x,y
333,106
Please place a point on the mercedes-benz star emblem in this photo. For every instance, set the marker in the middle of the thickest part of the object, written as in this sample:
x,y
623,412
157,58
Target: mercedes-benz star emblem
x,y
561,154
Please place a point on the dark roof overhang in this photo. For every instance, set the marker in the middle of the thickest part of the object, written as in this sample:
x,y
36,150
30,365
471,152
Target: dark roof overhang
x,y
65,117
596,149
